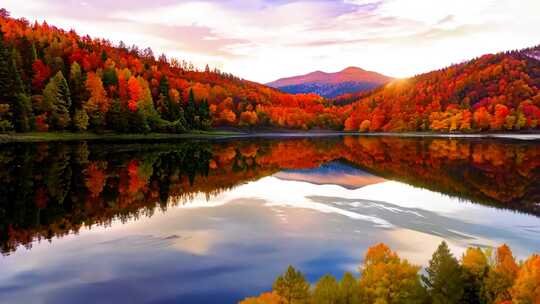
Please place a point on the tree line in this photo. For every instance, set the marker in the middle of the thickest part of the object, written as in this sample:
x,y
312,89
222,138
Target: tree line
x,y
56,80
479,276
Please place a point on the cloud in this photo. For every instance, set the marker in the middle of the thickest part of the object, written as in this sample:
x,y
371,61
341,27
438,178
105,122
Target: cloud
x,y
266,39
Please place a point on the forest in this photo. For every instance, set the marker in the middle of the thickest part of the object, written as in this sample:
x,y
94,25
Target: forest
x,y
56,80
496,92
479,276
44,197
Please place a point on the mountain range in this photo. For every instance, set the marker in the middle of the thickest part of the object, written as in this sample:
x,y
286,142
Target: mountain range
x,y
330,85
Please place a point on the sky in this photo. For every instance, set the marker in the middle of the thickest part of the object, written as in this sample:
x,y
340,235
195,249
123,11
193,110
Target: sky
x,y
262,40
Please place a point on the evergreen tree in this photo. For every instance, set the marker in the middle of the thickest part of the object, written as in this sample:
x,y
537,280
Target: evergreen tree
x,y
164,103
10,80
326,291
204,116
118,119
191,111
12,91
348,289
24,119
110,78
28,55
173,109
76,85
164,86
18,86
6,78
444,278
57,98
292,286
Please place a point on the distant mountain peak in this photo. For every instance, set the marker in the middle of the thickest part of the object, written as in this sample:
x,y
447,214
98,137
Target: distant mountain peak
x,y
353,69
349,80
349,74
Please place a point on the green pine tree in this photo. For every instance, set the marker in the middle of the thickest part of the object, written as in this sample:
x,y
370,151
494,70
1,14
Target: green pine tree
x,y
6,77
444,278
10,79
205,122
292,286
78,91
348,289
191,111
110,78
24,119
326,291
57,98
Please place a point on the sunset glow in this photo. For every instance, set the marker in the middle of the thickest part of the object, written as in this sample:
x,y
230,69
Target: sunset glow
x,y
263,40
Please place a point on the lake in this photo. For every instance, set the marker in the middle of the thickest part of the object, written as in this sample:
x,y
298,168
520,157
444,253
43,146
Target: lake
x,y
206,221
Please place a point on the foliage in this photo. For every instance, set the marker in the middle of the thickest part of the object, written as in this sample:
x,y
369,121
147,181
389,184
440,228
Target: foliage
x,y
385,278
492,93
57,100
265,298
526,288
326,291
444,279
292,287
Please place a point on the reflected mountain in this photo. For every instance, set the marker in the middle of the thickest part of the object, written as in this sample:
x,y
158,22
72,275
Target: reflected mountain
x,y
53,189
334,173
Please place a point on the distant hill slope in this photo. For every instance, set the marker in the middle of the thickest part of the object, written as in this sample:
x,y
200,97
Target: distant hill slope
x,y
330,85
494,92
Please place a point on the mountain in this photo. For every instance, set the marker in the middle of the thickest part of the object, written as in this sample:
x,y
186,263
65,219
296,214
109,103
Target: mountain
x,y
329,85
334,173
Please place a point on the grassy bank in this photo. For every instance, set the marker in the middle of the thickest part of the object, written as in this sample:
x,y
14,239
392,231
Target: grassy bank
x,y
72,136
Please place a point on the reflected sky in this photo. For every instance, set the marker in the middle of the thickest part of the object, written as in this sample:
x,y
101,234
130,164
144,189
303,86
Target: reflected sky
x,y
226,247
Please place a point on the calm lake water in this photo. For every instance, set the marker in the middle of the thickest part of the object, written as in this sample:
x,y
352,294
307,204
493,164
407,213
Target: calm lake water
x,y
215,221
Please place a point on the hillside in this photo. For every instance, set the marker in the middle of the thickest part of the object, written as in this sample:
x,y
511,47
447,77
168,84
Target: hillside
x,y
492,93
55,80
330,85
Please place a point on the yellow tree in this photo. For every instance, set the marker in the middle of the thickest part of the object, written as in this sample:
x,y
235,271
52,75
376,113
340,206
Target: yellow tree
x,y
526,289
501,278
388,279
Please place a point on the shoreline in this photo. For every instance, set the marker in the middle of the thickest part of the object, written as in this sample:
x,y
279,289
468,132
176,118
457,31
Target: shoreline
x,y
73,136
221,134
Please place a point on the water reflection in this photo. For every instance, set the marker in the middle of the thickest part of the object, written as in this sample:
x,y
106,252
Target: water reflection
x,y
198,221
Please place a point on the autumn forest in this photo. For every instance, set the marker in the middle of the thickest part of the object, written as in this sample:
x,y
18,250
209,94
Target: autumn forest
x,y
270,152
55,80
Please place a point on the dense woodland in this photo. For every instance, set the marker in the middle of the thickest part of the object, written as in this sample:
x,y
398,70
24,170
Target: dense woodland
x,y
481,276
490,93
55,80
50,190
